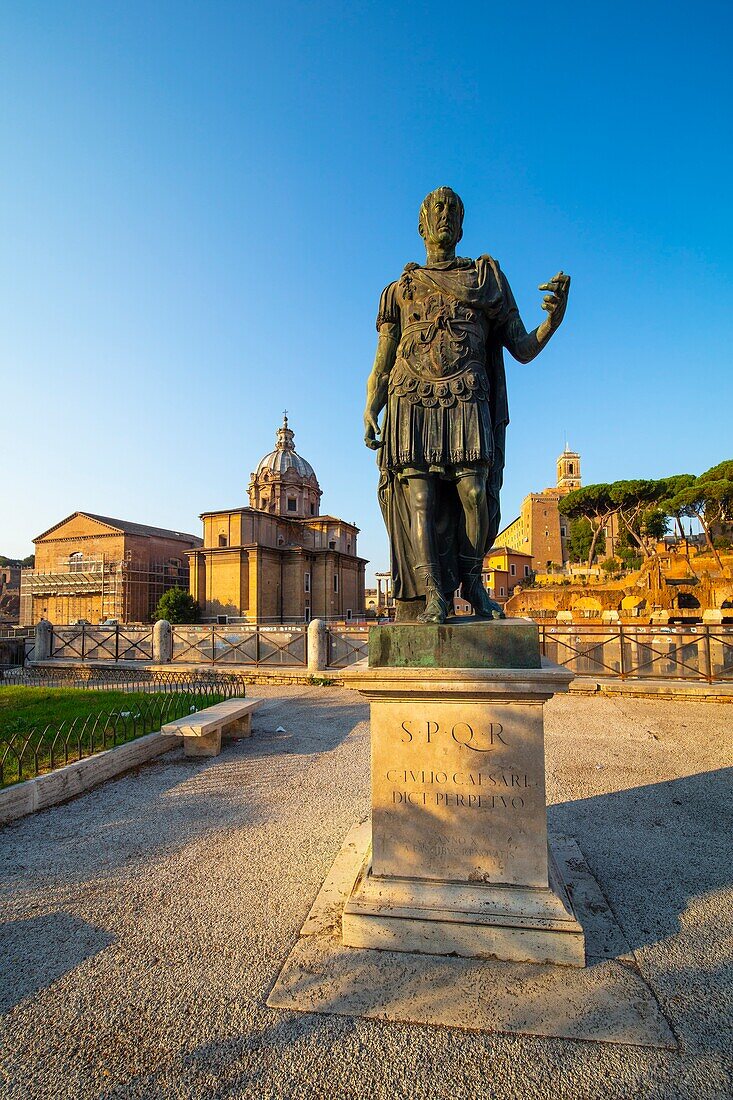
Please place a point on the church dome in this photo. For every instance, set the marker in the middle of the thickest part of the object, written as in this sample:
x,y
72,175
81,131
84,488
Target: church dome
x,y
284,483
285,457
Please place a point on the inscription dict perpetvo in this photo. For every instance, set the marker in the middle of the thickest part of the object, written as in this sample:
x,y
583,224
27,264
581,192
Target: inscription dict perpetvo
x,y
465,736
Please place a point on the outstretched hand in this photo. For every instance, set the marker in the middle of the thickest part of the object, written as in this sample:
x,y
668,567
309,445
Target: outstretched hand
x,y
557,300
371,433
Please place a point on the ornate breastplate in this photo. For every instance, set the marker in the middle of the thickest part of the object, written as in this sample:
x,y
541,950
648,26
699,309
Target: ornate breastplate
x,y
440,359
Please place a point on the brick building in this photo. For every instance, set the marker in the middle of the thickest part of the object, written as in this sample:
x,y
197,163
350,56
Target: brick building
x,y
9,594
278,559
96,568
540,530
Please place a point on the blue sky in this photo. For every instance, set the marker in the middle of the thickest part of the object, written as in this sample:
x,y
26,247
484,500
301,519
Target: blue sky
x,y
200,204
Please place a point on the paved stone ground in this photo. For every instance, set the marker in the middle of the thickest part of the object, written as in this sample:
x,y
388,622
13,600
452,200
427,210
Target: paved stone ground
x,y
146,921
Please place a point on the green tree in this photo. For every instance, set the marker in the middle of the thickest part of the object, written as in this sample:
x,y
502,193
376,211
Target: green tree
x,y
672,487
580,538
177,606
637,507
710,500
595,504
30,560
654,524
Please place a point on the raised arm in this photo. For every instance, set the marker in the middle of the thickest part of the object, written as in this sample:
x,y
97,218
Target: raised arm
x,y
524,345
377,384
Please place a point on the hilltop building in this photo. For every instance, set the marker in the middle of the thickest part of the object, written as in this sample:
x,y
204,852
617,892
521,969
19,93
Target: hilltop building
x,y
278,559
540,530
97,568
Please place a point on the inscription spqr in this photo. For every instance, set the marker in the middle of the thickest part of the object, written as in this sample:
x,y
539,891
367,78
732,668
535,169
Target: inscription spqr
x,y
459,796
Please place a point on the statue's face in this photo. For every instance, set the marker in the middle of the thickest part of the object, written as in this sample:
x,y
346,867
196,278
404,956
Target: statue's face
x,y
442,219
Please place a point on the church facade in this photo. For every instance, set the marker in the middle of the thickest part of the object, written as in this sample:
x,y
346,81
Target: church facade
x,y
278,560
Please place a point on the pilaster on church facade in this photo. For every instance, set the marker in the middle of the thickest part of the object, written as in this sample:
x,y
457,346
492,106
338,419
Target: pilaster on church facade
x,y
278,560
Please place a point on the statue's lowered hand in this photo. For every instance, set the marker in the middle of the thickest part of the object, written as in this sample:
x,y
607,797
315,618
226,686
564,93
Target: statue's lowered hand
x,y
371,433
555,303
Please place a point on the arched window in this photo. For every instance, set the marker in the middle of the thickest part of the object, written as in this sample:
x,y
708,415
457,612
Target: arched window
x,y
76,562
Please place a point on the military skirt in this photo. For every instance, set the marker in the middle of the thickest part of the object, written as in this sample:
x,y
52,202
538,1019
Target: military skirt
x,y
438,425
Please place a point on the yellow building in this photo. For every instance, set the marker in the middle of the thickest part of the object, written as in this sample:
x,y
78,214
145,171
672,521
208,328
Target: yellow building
x,y
278,559
503,570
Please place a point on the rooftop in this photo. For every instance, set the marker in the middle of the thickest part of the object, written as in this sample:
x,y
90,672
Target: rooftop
x,y
128,527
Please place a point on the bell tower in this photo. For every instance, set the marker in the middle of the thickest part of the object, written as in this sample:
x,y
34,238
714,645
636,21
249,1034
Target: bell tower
x,y
568,470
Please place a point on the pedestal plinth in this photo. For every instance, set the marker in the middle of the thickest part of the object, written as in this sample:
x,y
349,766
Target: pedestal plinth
x,y
459,861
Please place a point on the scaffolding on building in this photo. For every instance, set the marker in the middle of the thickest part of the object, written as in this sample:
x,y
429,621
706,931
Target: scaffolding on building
x,y
128,590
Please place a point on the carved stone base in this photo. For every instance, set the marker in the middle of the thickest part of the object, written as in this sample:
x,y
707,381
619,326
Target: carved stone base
x,y
520,924
459,860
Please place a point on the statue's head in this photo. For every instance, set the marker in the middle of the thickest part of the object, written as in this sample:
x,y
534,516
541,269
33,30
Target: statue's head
x,y
441,218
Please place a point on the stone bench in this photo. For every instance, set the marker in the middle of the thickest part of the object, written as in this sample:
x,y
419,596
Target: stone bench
x,y
202,731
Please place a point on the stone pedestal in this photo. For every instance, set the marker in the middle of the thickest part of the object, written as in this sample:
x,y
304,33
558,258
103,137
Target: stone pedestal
x,y
206,744
459,861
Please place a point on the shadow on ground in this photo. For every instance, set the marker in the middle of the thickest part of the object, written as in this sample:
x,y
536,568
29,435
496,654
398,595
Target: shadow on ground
x,y
64,941
655,849
238,1065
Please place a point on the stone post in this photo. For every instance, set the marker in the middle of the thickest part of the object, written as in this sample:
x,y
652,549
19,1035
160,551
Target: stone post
x,y
44,637
317,646
162,642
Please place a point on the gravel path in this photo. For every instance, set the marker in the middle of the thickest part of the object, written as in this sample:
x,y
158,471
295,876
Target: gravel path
x,y
146,921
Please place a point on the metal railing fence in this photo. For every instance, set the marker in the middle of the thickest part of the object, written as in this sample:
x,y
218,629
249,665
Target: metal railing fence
x,y
241,645
12,652
111,678
346,645
703,653
27,753
103,643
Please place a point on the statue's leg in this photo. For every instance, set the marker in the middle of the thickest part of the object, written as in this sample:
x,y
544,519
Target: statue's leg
x,y
475,517
472,492
424,549
494,483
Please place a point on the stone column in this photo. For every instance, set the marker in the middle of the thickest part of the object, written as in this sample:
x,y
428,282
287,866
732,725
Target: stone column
x,y
44,639
317,646
459,861
162,642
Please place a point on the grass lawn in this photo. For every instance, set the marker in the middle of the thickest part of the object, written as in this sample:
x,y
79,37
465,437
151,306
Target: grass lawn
x,y
81,723
22,708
